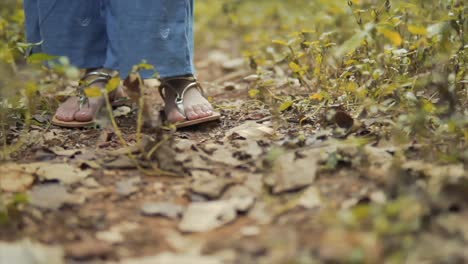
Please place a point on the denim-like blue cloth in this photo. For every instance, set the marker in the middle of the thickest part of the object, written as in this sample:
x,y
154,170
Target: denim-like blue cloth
x,y
115,34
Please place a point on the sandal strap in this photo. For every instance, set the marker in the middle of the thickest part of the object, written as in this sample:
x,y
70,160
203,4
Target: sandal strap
x,y
101,75
98,76
179,100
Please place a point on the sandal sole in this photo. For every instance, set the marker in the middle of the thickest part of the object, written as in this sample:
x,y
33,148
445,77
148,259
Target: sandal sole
x,y
211,118
124,101
71,124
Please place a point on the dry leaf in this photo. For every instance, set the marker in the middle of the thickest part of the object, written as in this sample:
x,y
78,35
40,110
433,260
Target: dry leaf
x,y
27,252
14,179
251,130
290,172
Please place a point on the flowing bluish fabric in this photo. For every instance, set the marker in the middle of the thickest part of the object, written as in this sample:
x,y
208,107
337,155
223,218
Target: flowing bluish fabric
x,y
115,34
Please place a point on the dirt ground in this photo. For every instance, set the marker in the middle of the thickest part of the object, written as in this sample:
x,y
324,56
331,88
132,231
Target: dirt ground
x,y
244,190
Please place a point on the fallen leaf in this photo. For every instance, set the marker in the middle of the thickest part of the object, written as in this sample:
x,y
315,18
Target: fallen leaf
x,y
110,236
14,179
210,187
261,213
115,234
207,216
27,252
242,204
378,197
121,163
222,154
171,258
122,111
183,244
251,130
169,210
41,118
128,187
290,172
310,198
233,64
50,196
65,173
252,78
250,231
88,249
59,151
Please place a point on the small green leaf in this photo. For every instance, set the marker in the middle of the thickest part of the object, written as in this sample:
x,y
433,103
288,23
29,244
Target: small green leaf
x,y
113,84
296,68
392,35
285,105
254,92
40,58
21,198
145,66
417,30
280,42
93,92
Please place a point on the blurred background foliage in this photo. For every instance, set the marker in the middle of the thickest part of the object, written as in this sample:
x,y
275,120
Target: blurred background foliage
x,y
406,59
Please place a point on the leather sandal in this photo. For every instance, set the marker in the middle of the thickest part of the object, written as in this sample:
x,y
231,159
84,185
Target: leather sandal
x,y
179,100
90,78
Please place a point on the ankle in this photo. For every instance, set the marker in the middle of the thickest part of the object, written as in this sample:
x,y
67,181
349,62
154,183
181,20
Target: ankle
x,y
179,81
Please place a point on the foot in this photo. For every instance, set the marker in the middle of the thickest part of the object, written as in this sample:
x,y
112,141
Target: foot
x,y
70,111
195,104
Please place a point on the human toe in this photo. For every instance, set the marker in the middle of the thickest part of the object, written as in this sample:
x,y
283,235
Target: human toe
x,y
175,117
84,115
192,113
65,115
200,111
208,109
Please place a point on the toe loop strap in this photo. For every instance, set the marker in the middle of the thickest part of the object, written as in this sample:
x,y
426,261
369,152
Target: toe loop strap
x,y
90,78
179,100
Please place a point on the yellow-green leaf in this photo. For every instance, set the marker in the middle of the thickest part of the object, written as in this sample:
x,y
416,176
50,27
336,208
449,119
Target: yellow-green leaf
x,y
40,57
316,96
295,67
31,88
280,42
351,44
93,92
113,84
145,66
429,107
351,87
254,92
417,30
393,36
285,105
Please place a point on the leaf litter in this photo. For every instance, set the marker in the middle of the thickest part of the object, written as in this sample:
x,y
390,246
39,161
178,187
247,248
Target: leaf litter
x,y
243,182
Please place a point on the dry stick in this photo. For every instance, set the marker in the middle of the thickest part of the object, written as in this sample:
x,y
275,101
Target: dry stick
x,y
7,150
119,134
231,76
4,141
141,105
315,112
159,144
